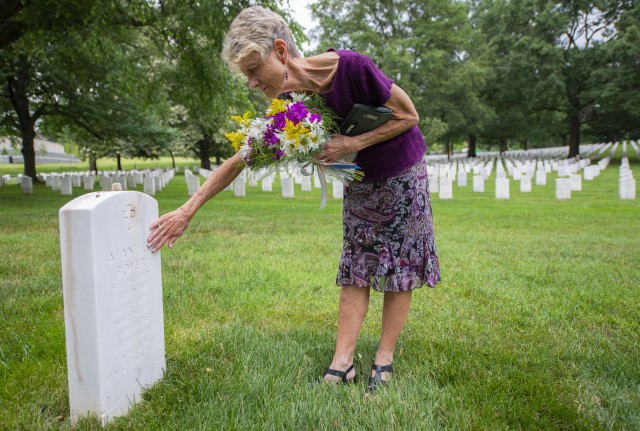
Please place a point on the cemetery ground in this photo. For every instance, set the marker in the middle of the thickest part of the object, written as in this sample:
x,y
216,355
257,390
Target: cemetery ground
x,y
534,325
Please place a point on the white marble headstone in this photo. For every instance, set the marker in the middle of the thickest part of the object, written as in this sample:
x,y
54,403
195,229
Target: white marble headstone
x,y
627,188
88,182
112,289
576,182
525,183
149,186
193,182
478,183
306,183
434,183
267,184
66,186
446,188
239,189
502,188
462,178
563,188
26,183
338,189
287,187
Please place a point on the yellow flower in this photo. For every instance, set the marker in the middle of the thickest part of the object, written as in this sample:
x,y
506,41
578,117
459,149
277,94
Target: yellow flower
x,y
236,138
277,106
244,121
294,132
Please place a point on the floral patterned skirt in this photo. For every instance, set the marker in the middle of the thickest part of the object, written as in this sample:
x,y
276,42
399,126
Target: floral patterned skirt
x,y
389,243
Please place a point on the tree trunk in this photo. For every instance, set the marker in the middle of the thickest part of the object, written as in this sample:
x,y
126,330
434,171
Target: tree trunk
x,y
173,160
204,147
29,154
16,89
119,163
574,136
218,160
93,163
525,145
472,146
503,146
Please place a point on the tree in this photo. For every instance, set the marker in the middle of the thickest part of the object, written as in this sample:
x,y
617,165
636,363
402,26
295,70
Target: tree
x,y
424,47
78,60
203,93
551,58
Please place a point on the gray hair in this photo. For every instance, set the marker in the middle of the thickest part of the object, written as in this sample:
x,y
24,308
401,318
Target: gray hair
x,y
255,29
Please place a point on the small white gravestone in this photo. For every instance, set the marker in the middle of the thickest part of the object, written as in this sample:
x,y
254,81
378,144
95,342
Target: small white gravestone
x,y
306,183
627,188
446,188
238,187
88,182
26,183
55,182
149,186
478,183
462,178
253,180
525,183
563,188
65,186
434,183
112,289
193,182
502,188
541,177
576,182
338,189
267,184
287,187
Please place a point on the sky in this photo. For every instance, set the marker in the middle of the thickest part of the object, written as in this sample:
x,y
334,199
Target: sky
x,y
302,15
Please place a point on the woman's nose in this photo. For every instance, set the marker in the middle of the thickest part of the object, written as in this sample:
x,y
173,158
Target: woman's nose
x,y
253,83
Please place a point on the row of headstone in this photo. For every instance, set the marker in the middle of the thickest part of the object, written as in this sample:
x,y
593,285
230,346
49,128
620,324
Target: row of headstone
x,y
65,182
193,182
288,180
157,180
571,172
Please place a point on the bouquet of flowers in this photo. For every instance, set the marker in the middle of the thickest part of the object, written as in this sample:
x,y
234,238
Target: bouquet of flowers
x,y
293,132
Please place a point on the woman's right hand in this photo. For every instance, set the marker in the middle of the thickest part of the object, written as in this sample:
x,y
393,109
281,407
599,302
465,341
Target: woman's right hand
x,y
167,229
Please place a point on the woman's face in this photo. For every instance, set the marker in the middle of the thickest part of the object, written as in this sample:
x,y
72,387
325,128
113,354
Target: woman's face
x,y
265,74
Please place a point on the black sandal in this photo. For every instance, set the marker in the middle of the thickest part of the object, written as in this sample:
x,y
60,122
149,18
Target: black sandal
x,y
341,374
376,380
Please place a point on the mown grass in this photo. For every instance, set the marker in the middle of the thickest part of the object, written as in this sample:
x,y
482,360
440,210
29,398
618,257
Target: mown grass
x,y
534,326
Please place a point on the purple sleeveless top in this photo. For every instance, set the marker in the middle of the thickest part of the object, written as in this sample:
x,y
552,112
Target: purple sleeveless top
x,y
358,80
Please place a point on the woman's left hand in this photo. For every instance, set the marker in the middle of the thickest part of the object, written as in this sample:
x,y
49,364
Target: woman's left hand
x,y
336,149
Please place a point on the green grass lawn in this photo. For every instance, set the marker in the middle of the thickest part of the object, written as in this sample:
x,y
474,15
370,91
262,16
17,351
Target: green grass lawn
x,y
535,325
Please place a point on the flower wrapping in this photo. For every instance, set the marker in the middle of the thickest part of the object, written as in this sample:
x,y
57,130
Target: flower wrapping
x,y
289,137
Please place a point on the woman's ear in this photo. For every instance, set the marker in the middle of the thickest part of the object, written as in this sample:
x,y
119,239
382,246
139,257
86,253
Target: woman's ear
x,y
280,48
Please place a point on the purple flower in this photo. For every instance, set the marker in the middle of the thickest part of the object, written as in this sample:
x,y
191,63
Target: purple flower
x,y
270,137
278,120
297,112
314,118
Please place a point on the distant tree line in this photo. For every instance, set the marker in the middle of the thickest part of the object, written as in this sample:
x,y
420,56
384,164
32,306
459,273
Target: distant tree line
x,y
144,78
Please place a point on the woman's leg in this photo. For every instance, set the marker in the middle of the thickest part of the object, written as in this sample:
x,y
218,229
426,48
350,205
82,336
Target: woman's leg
x,y
354,303
394,314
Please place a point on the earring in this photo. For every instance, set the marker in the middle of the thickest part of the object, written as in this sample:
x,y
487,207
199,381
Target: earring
x,y
286,73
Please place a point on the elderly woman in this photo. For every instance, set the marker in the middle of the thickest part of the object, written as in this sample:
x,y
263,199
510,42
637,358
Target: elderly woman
x,y
387,222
